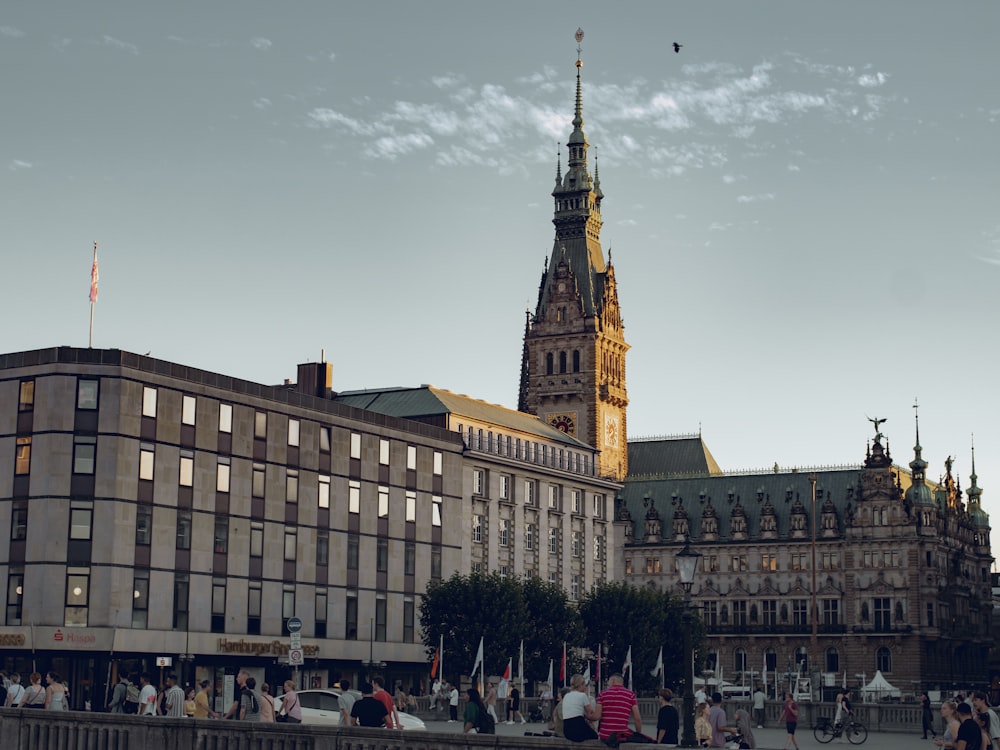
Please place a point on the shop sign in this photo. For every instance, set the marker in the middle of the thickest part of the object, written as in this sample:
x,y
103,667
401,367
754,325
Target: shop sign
x,y
12,639
82,639
261,648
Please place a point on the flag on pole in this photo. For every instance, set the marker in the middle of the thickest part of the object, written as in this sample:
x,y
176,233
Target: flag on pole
x,y
598,668
505,680
551,686
479,658
844,684
520,666
94,277
441,658
434,664
658,670
562,668
763,672
586,674
628,665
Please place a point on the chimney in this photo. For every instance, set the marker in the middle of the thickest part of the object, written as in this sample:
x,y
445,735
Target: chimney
x,y
316,379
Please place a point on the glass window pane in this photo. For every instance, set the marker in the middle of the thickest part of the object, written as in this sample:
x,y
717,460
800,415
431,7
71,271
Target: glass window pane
x,y
355,445
148,402
292,487
86,394
146,462
253,600
218,598
80,519
260,424
324,492
324,439
84,450
290,544
258,480
187,469
225,418
222,478
26,396
22,456
293,432
256,538
188,410
383,452
143,523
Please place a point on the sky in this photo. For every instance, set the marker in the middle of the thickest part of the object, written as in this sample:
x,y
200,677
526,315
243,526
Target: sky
x,y
802,204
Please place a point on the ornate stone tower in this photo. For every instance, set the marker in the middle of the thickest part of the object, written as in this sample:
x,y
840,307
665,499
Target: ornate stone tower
x,y
573,364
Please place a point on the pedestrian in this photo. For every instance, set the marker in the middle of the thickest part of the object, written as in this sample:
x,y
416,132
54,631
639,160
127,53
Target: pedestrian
x,y
473,709
790,715
545,702
951,725
234,710
266,704
56,696
743,729
491,701
514,705
291,708
249,701
368,711
927,716
556,723
758,707
719,722
615,706
702,729
174,698
452,704
981,704
16,691
189,704
347,699
382,695
577,712
34,694
202,702
970,735
667,720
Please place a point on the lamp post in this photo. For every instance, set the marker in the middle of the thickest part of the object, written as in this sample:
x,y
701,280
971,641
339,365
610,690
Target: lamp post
x,y
687,563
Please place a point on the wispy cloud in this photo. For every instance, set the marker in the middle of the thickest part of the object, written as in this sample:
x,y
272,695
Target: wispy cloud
x,y
726,109
261,43
17,164
262,102
11,32
110,41
755,198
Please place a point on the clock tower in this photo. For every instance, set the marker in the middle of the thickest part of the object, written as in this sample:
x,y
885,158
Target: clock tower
x,y
573,363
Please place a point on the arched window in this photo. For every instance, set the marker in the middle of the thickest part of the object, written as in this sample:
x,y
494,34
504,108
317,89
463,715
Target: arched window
x,y
883,659
740,660
771,659
549,363
832,660
562,361
576,361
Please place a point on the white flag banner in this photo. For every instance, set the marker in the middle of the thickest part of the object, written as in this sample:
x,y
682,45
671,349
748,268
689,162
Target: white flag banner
x,y
628,665
659,664
552,687
586,674
479,659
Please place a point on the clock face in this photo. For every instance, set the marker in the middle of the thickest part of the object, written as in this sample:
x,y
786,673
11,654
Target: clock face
x,y
611,430
564,422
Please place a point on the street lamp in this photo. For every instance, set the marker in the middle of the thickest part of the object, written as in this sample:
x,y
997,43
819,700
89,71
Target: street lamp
x,y
687,564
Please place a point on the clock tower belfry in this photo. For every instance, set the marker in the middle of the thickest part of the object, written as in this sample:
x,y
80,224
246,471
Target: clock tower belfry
x,y
573,364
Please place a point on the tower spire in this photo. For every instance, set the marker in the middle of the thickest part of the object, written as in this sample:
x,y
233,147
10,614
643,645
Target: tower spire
x,y
918,466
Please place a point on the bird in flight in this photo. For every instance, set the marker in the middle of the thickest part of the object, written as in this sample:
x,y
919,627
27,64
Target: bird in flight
x,y
677,47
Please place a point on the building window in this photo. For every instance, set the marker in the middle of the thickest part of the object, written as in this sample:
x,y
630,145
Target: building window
x,y
503,532
324,439
146,461
831,560
577,543
86,394
740,612
222,475
798,560
77,596
143,524
882,608
26,396
291,543
260,425
653,565
628,566
598,548
800,612
436,563
529,537
354,497
768,561
355,446
710,564
287,601
383,502
574,588
221,534
225,418
148,402
19,523
383,452
186,478
382,556
410,559
576,502
81,515
930,614
553,541
351,617
140,598
323,492
257,486
15,597
411,457
740,563
256,539
253,607
504,487
184,529
436,510
529,492
218,605
352,551
739,658
321,609
411,505
291,486
188,404
293,432
883,659
438,463
181,590
84,453
600,506
769,613
22,456
553,577
408,619
380,610
553,497
832,660
477,528
710,613
478,481
831,613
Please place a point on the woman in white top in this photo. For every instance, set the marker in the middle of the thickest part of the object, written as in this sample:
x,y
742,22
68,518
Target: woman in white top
x,y
34,694
55,693
577,712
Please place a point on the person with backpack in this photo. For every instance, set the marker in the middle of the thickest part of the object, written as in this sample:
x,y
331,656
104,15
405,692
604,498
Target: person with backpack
x,y
120,694
477,718
250,701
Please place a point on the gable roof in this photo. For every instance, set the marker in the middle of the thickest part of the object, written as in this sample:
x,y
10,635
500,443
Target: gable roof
x,y
675,454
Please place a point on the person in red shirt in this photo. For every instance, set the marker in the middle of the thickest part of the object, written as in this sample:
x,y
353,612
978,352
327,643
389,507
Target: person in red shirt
x,y
614,707
383,697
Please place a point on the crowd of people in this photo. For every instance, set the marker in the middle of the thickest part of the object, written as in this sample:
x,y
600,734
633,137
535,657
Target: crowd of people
x,y
53,697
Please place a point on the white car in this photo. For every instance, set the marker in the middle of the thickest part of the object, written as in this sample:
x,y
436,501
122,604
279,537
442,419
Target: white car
x,y
322,706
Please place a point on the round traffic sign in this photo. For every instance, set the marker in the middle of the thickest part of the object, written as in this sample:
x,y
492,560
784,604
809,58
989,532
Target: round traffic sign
x,y
294,624
295,656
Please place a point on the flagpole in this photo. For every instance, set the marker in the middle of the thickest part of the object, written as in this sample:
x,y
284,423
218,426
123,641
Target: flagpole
x,y
93,295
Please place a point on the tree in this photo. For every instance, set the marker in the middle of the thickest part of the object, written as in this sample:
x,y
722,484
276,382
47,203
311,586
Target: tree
x,y
618,615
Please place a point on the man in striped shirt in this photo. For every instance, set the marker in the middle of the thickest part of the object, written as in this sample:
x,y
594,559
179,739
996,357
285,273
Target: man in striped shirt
x,y
614,707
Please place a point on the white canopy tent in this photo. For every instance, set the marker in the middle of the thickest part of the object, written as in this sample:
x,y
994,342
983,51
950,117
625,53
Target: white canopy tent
x,y
878,689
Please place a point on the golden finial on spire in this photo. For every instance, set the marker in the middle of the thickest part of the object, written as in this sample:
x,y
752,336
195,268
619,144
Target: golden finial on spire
x,y
579,48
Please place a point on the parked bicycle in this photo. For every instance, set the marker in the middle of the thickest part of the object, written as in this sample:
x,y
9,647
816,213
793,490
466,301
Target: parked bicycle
x,y
826,731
